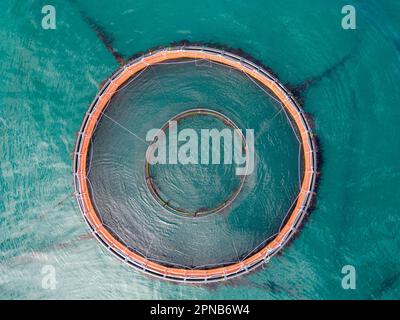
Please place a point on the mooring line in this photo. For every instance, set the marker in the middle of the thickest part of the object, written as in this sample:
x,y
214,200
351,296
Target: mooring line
x,y
126,129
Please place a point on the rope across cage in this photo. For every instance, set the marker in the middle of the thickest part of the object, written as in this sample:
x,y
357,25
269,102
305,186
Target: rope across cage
x,y
173,273
155,190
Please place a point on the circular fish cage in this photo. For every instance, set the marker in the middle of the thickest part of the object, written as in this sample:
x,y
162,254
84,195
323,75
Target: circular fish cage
x,y
193,223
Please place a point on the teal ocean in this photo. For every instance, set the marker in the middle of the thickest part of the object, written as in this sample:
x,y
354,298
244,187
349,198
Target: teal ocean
x,y
349,81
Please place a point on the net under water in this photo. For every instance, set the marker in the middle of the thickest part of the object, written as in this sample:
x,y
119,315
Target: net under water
x,y
117,179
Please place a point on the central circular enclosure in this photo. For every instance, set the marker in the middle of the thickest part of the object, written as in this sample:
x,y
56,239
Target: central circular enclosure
x,y
194,174
240,213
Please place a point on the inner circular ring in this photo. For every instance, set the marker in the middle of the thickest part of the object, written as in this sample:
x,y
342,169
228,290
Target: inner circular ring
x,y
154,188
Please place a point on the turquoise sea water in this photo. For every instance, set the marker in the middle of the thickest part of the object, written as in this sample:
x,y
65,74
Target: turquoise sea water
x,y
49,77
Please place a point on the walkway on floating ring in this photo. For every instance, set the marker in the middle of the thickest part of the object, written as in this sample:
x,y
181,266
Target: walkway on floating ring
x,y
94,114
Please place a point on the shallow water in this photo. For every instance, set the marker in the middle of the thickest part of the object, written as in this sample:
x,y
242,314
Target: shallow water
x,y
50,77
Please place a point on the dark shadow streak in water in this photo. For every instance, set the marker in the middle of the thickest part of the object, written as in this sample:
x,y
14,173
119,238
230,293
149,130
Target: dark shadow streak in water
x,y
386,285
101,34
299,89
44,214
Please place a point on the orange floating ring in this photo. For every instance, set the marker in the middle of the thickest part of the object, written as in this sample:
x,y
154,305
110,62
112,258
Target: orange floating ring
x,y
94,114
